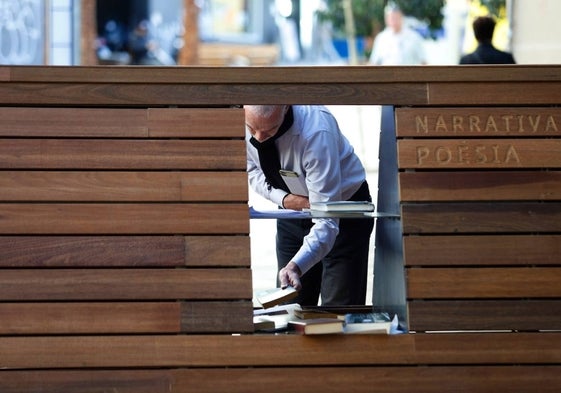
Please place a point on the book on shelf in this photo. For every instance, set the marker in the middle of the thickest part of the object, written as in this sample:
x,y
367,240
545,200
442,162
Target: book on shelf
x,y
316,326
274,318
308,313
263,323
368,323
342,206
275,296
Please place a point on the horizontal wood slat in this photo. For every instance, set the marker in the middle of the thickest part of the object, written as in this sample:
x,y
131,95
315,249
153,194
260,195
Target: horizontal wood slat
x,y
481,217
217,317
122,154
124,251
201,251
477,186
481,379
520,315
399,85
92,251
482,250
125,318
494,93
122,123
89,318
73,122
212,93
478,122
123,186
465,283
115,218
288,74
196,122
478,153
270,350
125,284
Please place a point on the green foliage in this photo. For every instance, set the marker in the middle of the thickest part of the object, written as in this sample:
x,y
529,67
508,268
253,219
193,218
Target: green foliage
x,y
365,13
495,7
369,14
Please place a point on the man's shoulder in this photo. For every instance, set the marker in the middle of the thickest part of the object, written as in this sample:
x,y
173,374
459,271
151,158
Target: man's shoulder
x,y
470,58
412,33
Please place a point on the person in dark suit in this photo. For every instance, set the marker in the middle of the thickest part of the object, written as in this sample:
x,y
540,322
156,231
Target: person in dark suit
x,y
486,53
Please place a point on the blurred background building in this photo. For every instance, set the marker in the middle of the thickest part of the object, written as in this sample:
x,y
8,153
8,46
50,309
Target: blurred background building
x,y
248,32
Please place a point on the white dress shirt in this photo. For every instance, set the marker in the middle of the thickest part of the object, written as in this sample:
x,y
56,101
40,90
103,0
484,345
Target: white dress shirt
x,y
321,155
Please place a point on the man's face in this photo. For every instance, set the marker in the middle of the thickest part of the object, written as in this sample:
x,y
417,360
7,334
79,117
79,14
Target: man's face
x,y
394,20
263,128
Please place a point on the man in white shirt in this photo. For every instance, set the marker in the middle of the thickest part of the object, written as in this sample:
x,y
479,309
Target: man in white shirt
x,y
397,44
327,255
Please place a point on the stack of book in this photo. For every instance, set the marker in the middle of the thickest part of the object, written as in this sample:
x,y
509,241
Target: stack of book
x,y
345,320
274,309
276,314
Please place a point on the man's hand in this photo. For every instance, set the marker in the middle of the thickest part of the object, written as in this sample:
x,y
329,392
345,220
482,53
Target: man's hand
x,y
290,275
295,202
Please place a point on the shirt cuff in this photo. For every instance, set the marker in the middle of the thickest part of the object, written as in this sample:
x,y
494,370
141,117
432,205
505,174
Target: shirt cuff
x,y
277,196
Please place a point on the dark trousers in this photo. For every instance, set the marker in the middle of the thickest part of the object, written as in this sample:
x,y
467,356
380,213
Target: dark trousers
x,y
341,276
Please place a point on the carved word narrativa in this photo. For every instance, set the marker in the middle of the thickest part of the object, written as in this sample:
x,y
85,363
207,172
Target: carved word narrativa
x,y
520,124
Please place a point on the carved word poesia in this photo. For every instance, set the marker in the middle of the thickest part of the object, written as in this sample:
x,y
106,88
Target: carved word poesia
x,y
467,154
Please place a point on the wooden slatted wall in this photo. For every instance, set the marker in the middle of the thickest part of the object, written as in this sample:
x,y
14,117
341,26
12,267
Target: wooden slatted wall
x,y
123,221
124,247
481,210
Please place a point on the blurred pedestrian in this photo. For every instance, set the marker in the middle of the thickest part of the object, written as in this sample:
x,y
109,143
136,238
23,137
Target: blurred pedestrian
x,y
397,44
486,53
142,45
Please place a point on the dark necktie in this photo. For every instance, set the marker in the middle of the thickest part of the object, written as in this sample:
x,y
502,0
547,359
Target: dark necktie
x,y
269,155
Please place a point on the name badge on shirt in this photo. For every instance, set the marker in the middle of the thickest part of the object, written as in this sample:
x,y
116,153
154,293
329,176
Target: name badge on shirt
x,y
296,183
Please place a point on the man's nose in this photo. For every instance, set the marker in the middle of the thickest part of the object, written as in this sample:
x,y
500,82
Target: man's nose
x,y
261,135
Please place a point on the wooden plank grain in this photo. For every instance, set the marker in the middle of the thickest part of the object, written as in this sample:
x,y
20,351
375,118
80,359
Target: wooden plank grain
x,y
466,283
478,153
478,122
483,250
479,185
123,218
140,351
122,154
182,93
217,251
122,122
474,217
125,284
504,314
360,379
130,186
73,122
29,251
216,317
92,251
490,379
79,381
495,93
196,122
293,74
89,318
